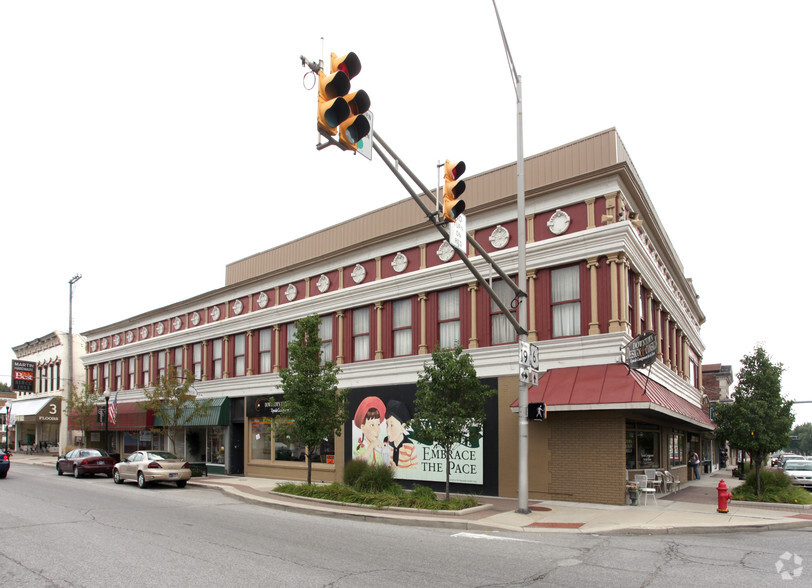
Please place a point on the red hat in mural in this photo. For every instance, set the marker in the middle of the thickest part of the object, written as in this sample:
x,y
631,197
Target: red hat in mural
x,y
363,408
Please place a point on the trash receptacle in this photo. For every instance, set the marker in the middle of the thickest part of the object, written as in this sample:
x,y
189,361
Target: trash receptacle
x,y
707,466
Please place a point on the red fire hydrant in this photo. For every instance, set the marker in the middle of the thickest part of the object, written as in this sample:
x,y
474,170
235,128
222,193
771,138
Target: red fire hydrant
x,y
724,496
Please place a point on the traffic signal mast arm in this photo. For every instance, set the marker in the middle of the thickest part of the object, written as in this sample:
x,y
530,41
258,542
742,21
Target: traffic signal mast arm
x,y
376,145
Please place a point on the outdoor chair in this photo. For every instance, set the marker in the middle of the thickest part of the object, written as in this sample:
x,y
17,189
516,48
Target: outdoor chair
x,y
671,480
653,480
642,484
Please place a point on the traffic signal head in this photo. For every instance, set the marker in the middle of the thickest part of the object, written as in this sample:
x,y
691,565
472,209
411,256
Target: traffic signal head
x,y
349,64
356,127
333,108
453,188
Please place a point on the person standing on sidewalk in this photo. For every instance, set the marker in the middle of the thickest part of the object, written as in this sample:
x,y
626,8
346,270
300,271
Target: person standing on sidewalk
x,y
693,459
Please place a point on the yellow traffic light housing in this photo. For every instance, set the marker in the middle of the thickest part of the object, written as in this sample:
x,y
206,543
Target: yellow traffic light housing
x,y
333,108
453,188
356,127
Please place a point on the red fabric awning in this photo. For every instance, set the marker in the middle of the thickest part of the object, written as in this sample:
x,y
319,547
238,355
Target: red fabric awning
x,y
130,417
604,387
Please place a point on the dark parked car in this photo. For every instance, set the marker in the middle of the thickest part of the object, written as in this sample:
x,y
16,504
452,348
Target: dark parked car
x,y
86,461
5,462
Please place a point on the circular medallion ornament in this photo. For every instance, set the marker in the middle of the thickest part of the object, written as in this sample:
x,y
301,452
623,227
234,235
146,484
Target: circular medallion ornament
x,y
176,323
130,336
214,313
358,273
445,252
262,300
144,332
116,340
159,329
195,318
291,292
104,343
93,346
323,283
400,262
499,237
237,307
559,222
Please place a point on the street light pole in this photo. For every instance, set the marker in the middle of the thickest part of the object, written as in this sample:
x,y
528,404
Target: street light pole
x,y
71,282
106,420
522,262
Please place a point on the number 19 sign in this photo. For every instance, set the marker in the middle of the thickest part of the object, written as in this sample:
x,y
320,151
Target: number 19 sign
x,y
528,363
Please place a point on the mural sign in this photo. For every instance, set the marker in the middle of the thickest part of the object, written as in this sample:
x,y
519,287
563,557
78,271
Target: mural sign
x,y
381,434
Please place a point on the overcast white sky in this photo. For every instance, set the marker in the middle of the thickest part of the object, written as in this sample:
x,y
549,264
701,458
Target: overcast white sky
x,y
145,145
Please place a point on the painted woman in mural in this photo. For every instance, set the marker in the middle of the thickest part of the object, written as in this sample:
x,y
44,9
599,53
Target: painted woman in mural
x,y
368,418
403,450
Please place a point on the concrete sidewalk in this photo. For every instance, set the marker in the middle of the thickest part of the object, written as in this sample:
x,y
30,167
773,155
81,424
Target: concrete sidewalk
x,y
691,510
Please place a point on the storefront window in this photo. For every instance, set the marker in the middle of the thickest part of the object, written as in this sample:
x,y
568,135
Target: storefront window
x,y
642,445
283,448
139,440
676,449
215,445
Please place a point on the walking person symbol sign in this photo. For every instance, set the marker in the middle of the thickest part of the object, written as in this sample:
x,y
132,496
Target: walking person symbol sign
x,y
536,411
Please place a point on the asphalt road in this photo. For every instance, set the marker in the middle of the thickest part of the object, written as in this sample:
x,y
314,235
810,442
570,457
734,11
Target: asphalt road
x,y
59,531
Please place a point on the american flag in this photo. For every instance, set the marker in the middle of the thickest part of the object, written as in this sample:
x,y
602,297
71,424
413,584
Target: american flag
x,y
113,408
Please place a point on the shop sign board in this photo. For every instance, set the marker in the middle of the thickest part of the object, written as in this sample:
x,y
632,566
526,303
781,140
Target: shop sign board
x,y
22,375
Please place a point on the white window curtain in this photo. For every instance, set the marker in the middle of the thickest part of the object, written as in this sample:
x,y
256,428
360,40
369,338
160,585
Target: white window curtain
x,y
217,358
131,373
179,363
449,315
197,360
239,354
265,351
326,336
501,329
360,330
402,323
566,315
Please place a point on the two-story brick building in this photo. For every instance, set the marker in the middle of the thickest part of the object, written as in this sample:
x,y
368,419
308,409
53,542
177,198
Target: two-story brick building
x,y
601,270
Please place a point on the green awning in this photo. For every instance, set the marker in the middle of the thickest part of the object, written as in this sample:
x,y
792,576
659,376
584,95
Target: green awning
x,y
218,414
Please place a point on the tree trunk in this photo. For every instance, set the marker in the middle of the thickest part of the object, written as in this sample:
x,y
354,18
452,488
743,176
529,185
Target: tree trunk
x,y
447,473
758,460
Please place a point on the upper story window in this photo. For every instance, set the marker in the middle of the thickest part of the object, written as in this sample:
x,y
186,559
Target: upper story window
x,y
360,334
402,326
119,365
326,336
106,380
239,354
448,313
216,346
131,373
501,329
177,361
566,301
145,381
265,365
197,360
161,365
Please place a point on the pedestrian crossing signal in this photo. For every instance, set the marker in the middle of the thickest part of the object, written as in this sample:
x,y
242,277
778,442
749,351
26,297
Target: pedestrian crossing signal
x,y
536,411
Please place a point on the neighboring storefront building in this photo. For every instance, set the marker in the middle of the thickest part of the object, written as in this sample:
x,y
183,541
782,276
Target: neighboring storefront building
x,y
601,270
39,423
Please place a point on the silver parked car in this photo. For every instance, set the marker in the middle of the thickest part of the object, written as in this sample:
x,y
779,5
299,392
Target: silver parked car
x,y
146,467
800,472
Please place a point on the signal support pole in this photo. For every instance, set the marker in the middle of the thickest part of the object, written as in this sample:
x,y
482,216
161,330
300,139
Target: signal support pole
x,y
522,237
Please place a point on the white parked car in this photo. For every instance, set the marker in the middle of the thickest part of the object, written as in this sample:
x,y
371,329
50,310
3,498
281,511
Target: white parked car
x,y
800,472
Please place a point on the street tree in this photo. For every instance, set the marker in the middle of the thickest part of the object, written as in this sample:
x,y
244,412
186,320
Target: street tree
x,y
81,408
174,404
759,419
449,403
313,409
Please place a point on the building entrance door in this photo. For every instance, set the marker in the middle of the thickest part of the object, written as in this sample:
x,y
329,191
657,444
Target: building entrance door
x,y
236,454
